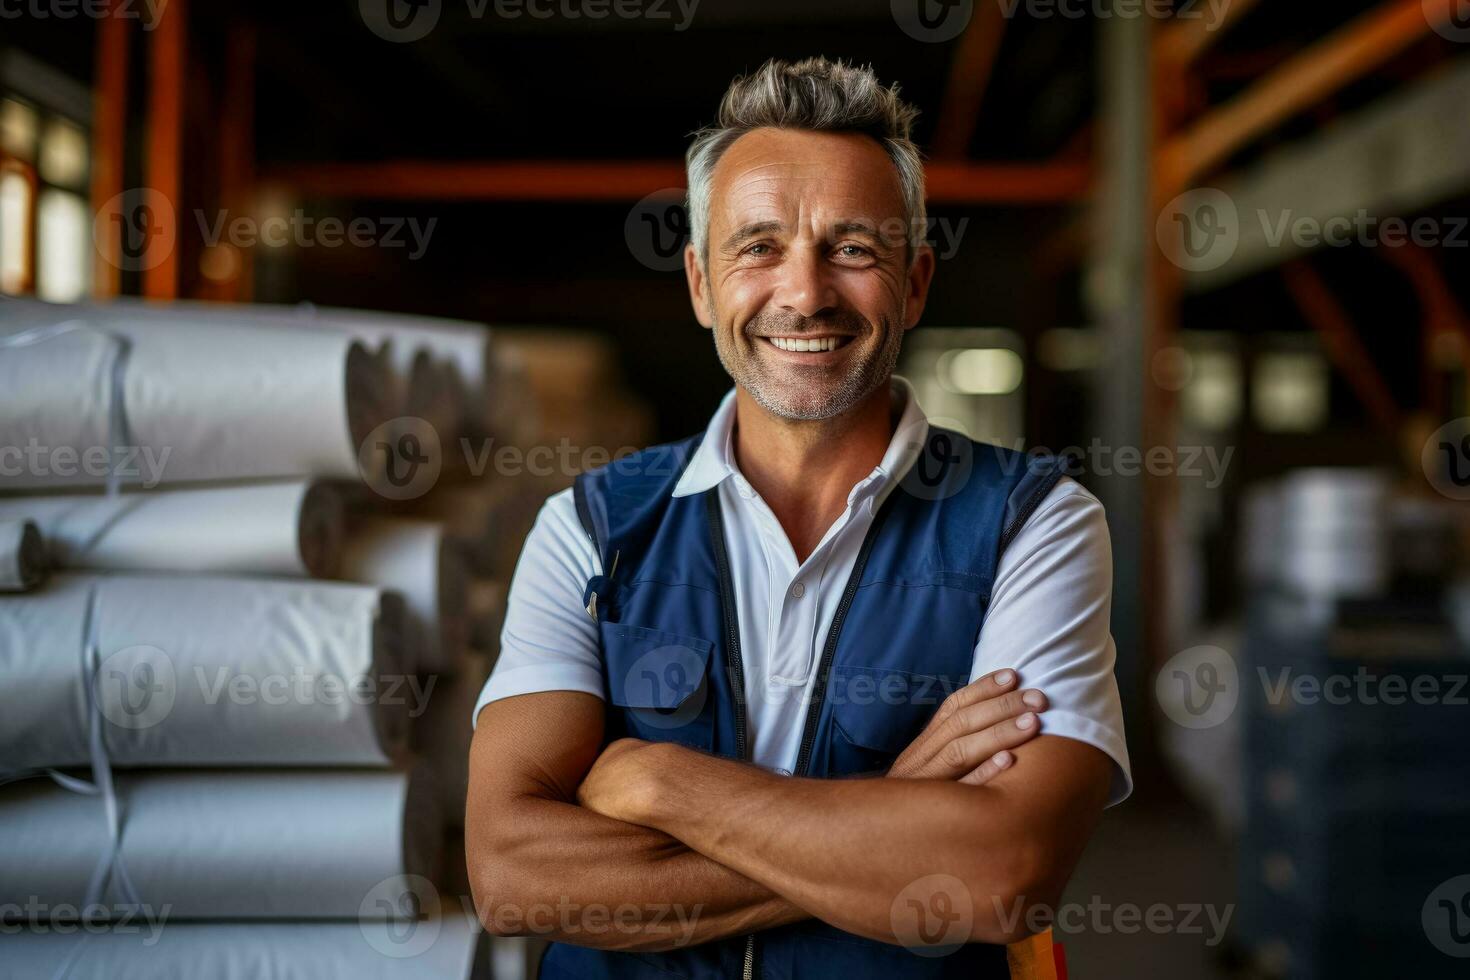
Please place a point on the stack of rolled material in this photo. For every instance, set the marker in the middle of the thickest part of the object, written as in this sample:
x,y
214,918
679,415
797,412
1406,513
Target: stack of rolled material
x,y
231,704
417,559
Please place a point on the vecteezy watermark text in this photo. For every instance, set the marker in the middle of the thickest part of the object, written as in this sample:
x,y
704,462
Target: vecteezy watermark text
x,y
1102,918
406,21
144,464
304,231
63,918
147,11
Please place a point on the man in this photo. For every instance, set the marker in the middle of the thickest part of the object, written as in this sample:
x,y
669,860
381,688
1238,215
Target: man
x,y
707,643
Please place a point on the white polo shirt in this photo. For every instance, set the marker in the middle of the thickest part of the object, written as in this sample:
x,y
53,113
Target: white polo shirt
x,y
1048,617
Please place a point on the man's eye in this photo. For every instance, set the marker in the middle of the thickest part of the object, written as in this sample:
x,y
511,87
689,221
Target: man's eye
x,y
852,251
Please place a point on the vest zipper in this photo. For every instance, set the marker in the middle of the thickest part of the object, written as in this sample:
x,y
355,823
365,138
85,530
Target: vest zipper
x,y
734,665
829,648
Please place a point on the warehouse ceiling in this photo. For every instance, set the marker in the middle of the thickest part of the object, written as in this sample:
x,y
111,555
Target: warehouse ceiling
x,y
498,88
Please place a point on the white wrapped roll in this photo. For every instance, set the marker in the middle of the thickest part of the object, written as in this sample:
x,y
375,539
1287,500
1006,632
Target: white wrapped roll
x,y
415,559
205,671
443,948
229,845
291,528
462,353
476,515
203,399
22,554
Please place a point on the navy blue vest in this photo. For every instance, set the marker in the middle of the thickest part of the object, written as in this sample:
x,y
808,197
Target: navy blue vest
x,y
902,638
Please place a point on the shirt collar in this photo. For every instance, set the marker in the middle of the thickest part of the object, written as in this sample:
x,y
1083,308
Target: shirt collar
x,y
714,459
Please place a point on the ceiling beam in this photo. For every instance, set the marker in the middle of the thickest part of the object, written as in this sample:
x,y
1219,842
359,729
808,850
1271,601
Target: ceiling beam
x,y
969,77
1383,159
1186,38
109,142
1341,343
1323,68
163,165
629,180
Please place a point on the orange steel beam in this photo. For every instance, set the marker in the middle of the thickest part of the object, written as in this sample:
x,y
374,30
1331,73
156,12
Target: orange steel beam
x,y
629,180
163,166
969,76
1186,38
1344,349
1321,69
237,146
109,140
1443,315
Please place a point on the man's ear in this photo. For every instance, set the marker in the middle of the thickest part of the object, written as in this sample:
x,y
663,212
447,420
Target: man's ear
x,y
698,284
919,278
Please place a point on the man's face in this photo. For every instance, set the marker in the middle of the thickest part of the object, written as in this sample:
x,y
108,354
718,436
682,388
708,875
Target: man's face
x,y
808,288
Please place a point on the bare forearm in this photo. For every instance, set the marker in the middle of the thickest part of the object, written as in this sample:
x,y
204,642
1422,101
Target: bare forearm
x,y
564,873
540,864
845,850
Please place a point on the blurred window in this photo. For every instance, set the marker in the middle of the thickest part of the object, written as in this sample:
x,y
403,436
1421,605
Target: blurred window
x,y
64,154
968,379
19,123
1212,398
45,222
1290,392
15,229
63,252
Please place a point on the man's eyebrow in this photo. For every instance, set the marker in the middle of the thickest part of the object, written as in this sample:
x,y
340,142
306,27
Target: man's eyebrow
x,y
858,225
752,230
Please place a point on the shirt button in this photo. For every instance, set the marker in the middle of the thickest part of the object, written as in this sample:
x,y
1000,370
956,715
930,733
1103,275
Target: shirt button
x,y
798,590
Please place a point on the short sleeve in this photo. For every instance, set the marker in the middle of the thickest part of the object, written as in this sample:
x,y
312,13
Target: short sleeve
x,y
1049,619
549,643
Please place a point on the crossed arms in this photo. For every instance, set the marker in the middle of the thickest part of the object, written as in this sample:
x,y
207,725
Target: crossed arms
x,y
554,822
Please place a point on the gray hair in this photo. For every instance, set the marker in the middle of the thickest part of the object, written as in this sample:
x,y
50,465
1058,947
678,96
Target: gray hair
x,y
818,95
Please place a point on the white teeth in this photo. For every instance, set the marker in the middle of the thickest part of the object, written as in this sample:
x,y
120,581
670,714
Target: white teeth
x,y
797,344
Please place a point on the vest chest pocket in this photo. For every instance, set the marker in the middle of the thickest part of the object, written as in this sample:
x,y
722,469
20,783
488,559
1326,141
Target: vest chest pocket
x,y
658,685
876,713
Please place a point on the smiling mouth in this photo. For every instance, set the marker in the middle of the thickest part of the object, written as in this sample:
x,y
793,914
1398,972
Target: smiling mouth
x,y
814,345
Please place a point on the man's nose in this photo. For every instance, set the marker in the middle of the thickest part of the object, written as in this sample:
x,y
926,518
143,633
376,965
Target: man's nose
x,y
806,285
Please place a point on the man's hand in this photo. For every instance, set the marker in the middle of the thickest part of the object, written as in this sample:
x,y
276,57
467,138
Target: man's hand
x,y
610,787
970,737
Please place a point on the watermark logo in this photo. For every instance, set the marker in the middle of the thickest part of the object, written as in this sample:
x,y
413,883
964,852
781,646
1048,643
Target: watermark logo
x,y
1198,687
932,21
136,230
136,687
401,459
1446,917
944,461
399,916
672,678
400,21
1199,230
1452,24
1446,459
933,916
657,229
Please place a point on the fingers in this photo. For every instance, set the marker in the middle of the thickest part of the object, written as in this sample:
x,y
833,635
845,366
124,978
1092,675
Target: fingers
x,y
989,769
969,752
992,685
984,714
